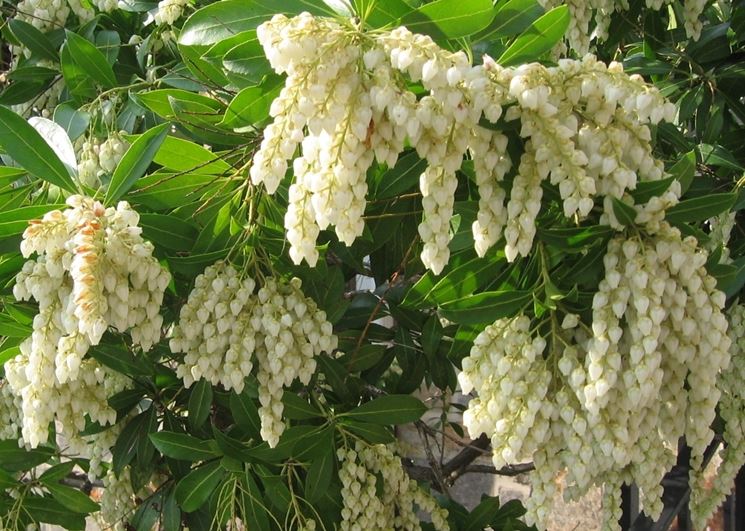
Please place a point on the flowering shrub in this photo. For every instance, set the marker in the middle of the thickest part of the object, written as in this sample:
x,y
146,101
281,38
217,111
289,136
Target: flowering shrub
x,y
190,193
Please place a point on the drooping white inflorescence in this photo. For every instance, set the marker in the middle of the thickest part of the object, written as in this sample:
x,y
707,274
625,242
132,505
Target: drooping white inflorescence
x,y
585,127
705,499
169,11
583,12
97,159
225,329
92,271
606,403
10,412
394,506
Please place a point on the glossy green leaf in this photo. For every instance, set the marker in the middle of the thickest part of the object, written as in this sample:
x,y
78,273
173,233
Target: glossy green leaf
x,y
90,59
403,177
72,499
256,512
13,458
456,18
251,105
52,512
184,156
298,408
372,433
389,409
200,403
182,446
575,238
135,162
22,142
700,208
538,39
78,82
646,190
16,220
625,214
33,39
485,308
245,413
197,486
512,17
684,170
72,120
168,232
319,476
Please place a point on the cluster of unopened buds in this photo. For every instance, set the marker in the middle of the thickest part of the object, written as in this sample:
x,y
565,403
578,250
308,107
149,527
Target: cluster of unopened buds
x,y
607,402
395,505
585,125
169,11
92,270
225,328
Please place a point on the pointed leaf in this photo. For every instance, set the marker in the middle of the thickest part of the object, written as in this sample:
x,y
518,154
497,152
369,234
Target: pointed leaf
x,y
27,147
486,307
542,35
89,58
135,162
389,409
182,446
198,485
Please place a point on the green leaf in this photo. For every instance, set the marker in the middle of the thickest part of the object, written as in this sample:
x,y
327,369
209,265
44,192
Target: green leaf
x,y
197,486
256,513
646,190
251,105
401,178
16,220
182,446
50,511
159,101
389,409
575,238
482,515
195,263
135,162
700,208
200,403
120,359
125,448
183,155
26,146
171,515
219,21
319,476
512,17
684,170
168,232
248,60
54,474
245,413
542,35
466,278
716,155
77,80
91,60
15,459
486,307
33,39
626,214
362,358
72,120
297,408
372,433
72,499
457,18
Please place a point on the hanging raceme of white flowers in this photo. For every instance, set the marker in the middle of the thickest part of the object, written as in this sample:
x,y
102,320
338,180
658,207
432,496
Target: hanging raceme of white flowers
x,y
585,125
92,270
224,328
607,403
582,12
366,506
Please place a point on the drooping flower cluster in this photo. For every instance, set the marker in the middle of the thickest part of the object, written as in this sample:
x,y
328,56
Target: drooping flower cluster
x,y
583,12
10,412
117,501
92,271
169,11
605,404
395,505
704,499
100,158
225,328
346,99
